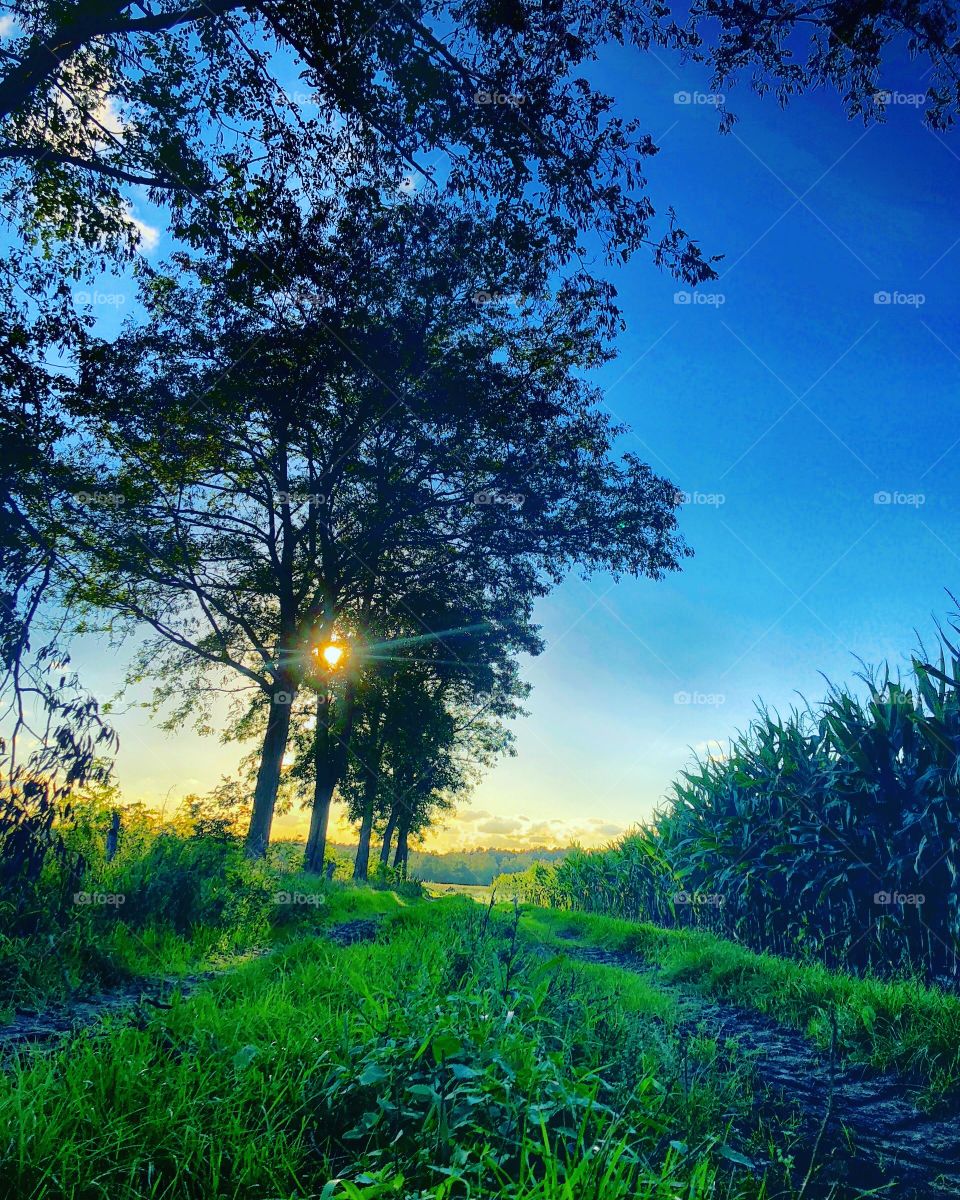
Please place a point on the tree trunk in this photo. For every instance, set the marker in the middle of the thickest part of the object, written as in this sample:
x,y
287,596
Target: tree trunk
x,y
330,759
362,863
271,763
370,786
400,858
388,836
324,783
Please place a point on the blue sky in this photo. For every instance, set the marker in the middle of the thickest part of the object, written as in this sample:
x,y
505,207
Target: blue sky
x,y
783,407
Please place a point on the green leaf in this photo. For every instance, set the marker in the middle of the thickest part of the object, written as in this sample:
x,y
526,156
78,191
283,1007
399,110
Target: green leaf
x,y
462,1071
444,1045
372,1075
736,1157
244,1057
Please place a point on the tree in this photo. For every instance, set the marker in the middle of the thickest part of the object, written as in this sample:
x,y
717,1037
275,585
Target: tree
x,y
431,723
52,735
97,94
440,767
389,435
96,97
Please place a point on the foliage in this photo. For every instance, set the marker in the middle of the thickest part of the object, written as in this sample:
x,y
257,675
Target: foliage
x,y
175,893
829,833
272,489
478,867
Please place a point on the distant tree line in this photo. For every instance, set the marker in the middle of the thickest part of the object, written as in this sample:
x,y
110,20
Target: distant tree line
x,y
476,867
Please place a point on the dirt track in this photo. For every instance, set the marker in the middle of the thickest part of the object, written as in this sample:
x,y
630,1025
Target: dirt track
x,y
873,1136
31,1028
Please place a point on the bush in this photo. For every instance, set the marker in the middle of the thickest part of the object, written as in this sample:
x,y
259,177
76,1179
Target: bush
x,y
186,882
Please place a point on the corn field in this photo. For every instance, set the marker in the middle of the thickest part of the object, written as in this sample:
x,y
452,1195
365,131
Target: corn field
x,y
831,833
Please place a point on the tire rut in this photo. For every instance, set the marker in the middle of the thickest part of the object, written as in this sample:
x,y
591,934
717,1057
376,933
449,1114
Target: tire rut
x,y
874,1136
30,1028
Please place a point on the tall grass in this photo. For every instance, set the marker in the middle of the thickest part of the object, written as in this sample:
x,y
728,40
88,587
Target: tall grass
x,y
832,833
444,1060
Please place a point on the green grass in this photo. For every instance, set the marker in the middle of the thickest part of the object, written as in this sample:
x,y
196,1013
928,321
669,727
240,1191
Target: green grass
x,y
101,948
902,1025
444,1060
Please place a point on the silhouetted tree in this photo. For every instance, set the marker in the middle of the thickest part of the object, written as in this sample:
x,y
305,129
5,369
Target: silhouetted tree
x,y
289,463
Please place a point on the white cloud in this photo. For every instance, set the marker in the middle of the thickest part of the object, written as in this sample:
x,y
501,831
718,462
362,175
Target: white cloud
x,y
541,831
501,825
149,234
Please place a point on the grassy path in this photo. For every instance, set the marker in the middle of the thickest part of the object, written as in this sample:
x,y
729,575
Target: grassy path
x,y
858,1123
899,1025
152,991
461,1054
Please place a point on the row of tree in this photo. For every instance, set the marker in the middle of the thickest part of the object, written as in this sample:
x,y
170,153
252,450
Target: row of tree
x,y
306,429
